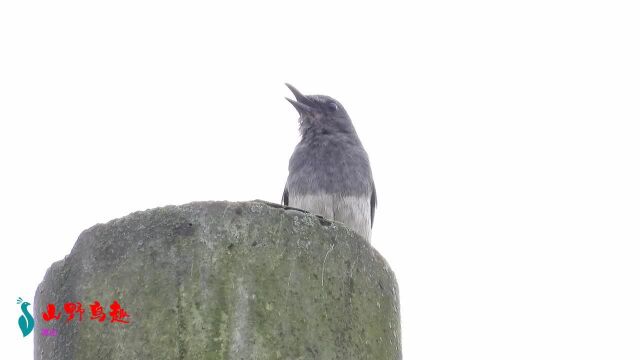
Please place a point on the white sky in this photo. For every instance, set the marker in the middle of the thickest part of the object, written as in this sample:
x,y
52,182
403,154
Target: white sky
x,y
503,137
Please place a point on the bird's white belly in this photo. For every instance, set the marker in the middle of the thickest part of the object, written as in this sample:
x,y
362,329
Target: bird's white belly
x,y
353,211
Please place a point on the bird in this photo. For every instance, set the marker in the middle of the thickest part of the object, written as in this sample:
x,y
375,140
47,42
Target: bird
x,y
329,170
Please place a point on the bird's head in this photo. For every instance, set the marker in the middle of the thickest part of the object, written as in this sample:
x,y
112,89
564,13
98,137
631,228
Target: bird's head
x,y
320,112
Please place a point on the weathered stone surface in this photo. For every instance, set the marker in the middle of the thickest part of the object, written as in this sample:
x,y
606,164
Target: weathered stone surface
x,y
220,280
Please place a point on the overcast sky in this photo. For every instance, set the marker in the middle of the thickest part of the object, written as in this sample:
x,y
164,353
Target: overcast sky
x,y
503,138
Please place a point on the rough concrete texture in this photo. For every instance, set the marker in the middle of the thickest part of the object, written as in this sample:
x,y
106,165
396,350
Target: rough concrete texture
x,y
221,280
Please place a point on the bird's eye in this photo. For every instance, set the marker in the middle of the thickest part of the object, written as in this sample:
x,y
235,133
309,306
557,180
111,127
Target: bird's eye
x,y
333,107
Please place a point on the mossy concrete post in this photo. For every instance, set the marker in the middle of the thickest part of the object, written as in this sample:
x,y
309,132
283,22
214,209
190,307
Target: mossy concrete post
x,y
220,280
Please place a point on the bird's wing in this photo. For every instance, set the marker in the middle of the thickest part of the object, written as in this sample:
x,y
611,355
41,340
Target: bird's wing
x,y
374,202
285,197
24,326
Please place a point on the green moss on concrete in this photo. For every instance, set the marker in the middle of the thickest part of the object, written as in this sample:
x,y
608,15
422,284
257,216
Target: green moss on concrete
x,y
218,280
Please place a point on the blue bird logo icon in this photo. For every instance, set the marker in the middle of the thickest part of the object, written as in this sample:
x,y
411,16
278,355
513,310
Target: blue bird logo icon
x,y
25,321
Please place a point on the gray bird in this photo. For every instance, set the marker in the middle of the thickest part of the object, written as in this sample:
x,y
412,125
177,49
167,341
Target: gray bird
x,y
329,172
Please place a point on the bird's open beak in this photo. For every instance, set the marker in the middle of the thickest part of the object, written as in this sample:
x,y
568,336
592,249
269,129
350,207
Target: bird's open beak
x,y
301,103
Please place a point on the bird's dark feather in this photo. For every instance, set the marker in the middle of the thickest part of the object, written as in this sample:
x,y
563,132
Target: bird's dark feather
x,y
374,202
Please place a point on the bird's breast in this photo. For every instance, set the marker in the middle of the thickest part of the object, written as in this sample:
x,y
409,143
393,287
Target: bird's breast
x,y
332,168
